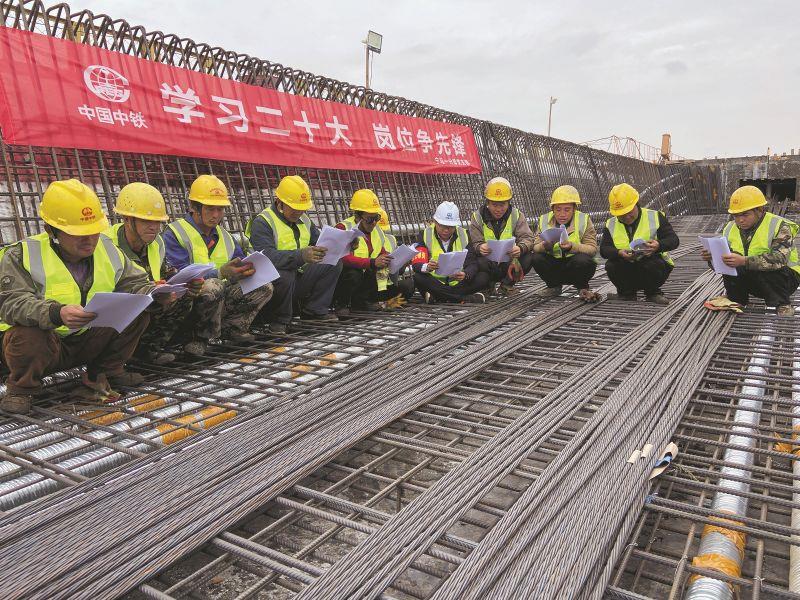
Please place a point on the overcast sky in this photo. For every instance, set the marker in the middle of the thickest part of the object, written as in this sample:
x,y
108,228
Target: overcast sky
x,y
723,77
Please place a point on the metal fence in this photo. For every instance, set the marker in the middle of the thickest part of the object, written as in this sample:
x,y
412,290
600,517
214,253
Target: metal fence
x,y
534,164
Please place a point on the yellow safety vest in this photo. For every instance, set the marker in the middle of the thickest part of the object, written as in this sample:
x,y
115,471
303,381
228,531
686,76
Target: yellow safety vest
x,y
649,222
379,242
283,233
54,281
580,221
435,248
508,230
156,250
191,241
350,222
761,243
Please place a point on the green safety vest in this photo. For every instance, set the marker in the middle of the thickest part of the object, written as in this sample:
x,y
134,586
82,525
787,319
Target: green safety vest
x,y
580,221
156,250
54,281
191,241
508,230
761,243
283,233
435,248
649,222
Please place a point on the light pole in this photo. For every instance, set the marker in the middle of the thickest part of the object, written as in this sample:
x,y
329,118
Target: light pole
x,y
373,43
550,114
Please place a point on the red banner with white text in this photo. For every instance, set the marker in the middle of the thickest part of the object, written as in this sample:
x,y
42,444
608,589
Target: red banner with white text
x,y
64,94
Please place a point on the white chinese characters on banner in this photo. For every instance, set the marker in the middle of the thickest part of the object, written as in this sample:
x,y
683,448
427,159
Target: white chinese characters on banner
x,y
225,104
307,125
104,115
270,130
339,129
383,137
186,102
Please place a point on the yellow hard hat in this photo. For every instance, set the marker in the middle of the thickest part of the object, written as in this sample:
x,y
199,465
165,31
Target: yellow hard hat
x,y
565,194
384,222
498,190
72,207
745,198
209,190
142,201
622,198
294,191
365,201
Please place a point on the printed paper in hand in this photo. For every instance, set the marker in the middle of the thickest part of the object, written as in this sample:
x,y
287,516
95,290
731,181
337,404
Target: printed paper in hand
x,y
555,235
179,289
499,249
115,309
718,246
337,242
189,272
450,263
265,272
400,258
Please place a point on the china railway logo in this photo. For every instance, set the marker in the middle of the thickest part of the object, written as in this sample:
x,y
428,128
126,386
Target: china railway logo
x,y
106,83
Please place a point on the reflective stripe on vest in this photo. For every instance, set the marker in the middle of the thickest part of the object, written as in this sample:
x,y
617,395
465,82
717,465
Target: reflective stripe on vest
x,y
435,248
283,233
378,241
581,220
191,241
508,230
349,223
761,242
156,250
649,222
53,280
391,241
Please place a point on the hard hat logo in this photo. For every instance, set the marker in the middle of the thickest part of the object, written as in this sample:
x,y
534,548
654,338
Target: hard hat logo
x,y
304,196
87,211
217,192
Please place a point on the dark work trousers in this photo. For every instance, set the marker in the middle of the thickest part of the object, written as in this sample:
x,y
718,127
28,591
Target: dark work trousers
x,y
399,285
499,271
31,353
575,270
313,289
775,287
355,288
647,274
451,293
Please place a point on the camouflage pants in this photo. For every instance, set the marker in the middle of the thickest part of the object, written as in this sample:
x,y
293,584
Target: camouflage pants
x,y
221,307
165,323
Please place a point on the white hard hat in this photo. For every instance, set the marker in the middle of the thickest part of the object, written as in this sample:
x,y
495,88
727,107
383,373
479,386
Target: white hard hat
x,y
447,214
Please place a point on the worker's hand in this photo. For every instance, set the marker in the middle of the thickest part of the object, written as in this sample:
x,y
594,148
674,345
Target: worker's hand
x,y
193,287
313,254
432,265
515,251
236,269
74,317
548,246
705,255
460,276
566,246
650,247
165,299
734,260
483,249
626,255
382,261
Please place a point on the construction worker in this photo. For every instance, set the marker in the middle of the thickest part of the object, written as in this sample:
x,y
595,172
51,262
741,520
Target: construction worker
x,y
365,270
220,309
570,262
287,236
645,268
762,252
498,220
401,285
46,280
143,213
445,234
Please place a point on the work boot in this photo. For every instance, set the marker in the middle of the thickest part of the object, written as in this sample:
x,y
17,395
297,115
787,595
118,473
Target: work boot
x,y
343,312
307,316
196,347
627,297
97,390
506,289
19,404
125,379
657,299
277,328
157,357
785,310
240,338
476,298
550,292
428,298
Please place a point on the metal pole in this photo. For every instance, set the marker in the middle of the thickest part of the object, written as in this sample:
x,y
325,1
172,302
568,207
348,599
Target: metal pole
x,y
366,74
549,116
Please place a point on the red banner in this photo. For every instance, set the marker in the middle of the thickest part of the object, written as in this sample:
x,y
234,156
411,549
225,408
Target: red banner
x,y
60,93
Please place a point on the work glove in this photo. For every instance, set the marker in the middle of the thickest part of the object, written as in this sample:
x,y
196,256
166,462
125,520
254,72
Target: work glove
x,y
515,272
236,269
396,302
313,254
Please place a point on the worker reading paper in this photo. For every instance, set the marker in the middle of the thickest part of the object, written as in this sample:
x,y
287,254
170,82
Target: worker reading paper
x,y
451,263
718,247
499,249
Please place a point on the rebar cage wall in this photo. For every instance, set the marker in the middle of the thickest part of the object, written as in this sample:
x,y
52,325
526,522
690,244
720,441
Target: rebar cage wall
x,y
534,164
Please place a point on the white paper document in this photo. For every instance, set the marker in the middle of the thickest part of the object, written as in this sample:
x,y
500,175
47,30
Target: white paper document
x,y
179,289
717,246
450,263
265,272
638,245
555,235
115,309
400,257
499,249
337,242
189,272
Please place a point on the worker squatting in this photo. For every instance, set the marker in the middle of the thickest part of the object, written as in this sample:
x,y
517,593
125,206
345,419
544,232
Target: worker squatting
x,y
47,279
